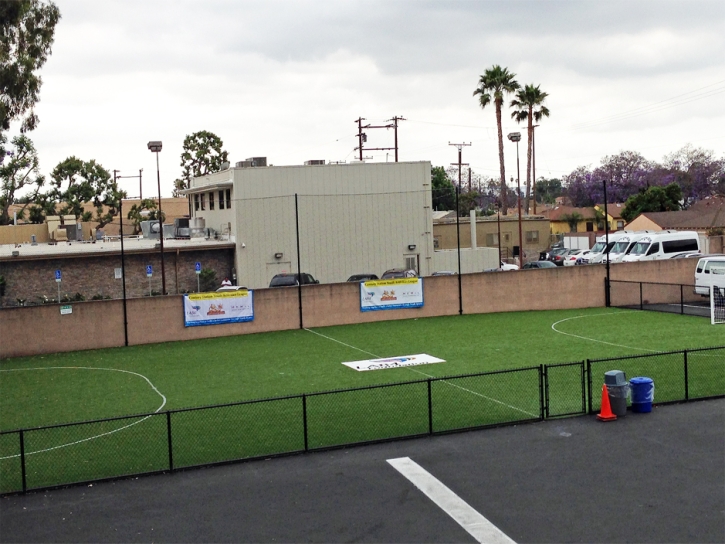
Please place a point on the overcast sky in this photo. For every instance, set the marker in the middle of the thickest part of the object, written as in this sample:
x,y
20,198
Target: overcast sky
x,y
287,80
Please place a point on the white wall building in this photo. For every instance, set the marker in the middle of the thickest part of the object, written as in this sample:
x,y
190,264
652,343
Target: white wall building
x,y
353,218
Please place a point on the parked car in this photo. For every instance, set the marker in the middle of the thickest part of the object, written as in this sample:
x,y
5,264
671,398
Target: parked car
x,y
232,288
507,267
394,273
362,277
572,256
288,280
583,257
539,264
444,273
556,255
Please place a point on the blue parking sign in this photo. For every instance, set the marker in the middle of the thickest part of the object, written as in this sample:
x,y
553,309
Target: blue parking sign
x,y
197,268
58,275
149,270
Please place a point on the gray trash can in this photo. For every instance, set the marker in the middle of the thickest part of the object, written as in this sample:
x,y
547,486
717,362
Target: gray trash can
x,y
618,390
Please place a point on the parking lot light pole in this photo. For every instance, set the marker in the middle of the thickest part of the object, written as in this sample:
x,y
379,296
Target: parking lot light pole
x,y
155,147
516,137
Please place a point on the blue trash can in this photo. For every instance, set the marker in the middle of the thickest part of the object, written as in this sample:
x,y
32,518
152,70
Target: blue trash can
x,y
643,393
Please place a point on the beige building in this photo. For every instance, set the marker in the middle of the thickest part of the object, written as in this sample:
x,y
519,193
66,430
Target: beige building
x,y
353,219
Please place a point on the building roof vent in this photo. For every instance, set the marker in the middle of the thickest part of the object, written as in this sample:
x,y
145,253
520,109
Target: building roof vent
x,y
315,162
252,162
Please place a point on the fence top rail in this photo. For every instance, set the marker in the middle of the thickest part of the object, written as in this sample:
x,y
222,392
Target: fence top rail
x,y
476,374
653,283
656,354
574,363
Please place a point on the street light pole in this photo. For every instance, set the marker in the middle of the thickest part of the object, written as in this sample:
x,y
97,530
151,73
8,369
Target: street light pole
x,y
607,292
533,162
498,229
516,137
155,147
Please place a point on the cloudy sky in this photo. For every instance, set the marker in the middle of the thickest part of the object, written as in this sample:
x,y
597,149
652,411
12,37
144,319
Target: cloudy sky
x,y
288,79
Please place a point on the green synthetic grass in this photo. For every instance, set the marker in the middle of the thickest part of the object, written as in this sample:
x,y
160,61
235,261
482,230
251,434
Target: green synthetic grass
x,y
231,369
34,392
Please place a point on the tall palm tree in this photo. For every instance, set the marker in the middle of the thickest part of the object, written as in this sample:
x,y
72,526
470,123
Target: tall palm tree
x,y
492,86
529,104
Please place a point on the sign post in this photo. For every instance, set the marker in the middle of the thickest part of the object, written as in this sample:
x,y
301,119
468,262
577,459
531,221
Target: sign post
x,y
149,273
58,278
197,269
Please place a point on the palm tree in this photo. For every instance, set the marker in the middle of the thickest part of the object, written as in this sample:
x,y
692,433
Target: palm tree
x,y
529,106
493,84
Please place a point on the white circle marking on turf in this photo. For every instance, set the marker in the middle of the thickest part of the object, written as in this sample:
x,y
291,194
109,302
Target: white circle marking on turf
x,y
98,435
553,326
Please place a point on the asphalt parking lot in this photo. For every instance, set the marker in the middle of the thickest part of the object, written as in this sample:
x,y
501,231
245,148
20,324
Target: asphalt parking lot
x,y
657,477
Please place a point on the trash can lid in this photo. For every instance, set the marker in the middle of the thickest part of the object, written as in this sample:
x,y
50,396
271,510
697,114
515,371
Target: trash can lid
x,y
615,377
641,380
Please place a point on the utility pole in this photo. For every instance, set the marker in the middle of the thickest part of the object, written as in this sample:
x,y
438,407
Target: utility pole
x,y
362,138
533,161
461,164
140,188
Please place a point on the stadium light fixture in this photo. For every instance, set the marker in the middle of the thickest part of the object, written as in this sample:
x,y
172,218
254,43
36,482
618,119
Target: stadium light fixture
x,y
516,137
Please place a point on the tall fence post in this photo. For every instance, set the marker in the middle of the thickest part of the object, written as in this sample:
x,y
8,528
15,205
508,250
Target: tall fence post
x,y
304,420
584,387
168,440
687,378
641,306
430,409
299,271
543,404
682,300
22,460
589,385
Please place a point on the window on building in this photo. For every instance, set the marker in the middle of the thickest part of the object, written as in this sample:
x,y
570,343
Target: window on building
x,y
196,202
436,242
202,199
221,200
229,198
620,225
492,240
211,201
506,237
532,236
590,226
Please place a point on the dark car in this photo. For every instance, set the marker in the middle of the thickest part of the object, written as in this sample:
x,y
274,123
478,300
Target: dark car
x,y
539,264
362,277
557,255
394,273
289,280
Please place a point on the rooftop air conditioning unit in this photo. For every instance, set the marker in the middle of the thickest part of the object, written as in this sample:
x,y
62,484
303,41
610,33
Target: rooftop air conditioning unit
x,y
258,161
315,162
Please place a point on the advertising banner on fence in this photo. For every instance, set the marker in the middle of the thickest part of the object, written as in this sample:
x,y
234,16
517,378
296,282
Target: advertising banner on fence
x,y
391,294
219,307
394,362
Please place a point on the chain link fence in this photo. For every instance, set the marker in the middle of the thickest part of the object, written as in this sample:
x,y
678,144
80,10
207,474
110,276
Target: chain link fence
x,y
88,451
658,297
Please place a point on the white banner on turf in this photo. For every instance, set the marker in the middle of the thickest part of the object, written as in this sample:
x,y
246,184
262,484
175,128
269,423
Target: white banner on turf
x,y
394,362
218,307
391,294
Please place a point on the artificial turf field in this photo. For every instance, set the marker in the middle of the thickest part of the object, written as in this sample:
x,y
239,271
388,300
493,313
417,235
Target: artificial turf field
x,y
231,369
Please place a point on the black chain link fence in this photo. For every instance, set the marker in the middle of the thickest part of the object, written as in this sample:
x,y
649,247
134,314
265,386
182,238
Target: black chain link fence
x,y
659,297
66,454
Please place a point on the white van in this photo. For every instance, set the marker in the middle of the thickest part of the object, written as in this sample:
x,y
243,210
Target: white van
x,y
625,245
709,271
663,245
599,249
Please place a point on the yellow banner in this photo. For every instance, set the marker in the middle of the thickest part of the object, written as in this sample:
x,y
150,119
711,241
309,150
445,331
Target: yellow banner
x,y
218,294
389,283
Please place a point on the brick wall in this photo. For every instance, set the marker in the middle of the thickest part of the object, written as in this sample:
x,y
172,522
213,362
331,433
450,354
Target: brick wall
x,y
32,279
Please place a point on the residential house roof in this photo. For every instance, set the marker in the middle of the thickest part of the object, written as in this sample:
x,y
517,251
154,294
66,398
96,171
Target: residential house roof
x,y
557,213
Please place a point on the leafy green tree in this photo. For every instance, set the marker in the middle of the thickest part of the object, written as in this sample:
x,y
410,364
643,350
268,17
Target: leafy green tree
x,y
547,190
444,193
492,86
572,219
136,214
76,182
207,280
202,155
654,199
529,102
27,29
19,174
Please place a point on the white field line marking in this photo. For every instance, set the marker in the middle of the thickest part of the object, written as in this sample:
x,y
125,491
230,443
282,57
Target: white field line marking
x,y
430,376
98,435
553,326
474,523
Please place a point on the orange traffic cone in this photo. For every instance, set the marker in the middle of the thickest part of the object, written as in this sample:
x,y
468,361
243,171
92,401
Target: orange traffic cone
x,y
606,414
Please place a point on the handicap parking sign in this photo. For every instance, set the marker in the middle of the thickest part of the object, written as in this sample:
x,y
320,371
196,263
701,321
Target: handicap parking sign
x,y
149,270
57,275
197,268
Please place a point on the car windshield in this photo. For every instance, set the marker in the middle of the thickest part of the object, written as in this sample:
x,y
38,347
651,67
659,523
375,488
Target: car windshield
x,y
598,247
640,248
283,281
620,247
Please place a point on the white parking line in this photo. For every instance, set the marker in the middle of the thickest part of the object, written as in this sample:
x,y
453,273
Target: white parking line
x,y
474,523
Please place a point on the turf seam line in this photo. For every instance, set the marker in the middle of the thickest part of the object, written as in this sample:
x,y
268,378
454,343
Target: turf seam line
x,y
98,435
